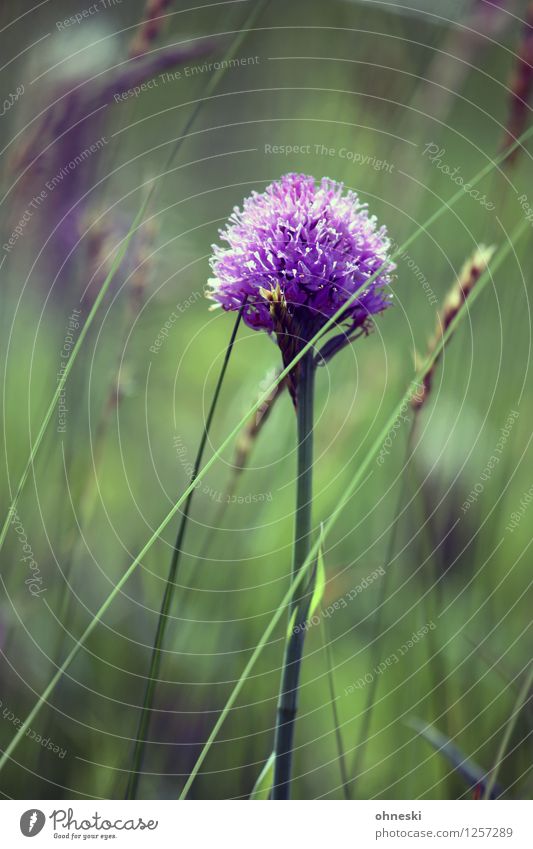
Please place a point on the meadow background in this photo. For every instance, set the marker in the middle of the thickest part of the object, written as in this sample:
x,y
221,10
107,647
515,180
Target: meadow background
x,y
362,90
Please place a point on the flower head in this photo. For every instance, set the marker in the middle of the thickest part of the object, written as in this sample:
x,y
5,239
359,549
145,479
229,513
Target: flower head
x,y
299,251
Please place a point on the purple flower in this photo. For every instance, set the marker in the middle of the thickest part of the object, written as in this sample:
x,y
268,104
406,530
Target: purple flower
x,y
299,251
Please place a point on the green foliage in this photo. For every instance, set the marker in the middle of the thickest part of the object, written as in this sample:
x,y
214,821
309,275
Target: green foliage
x,y
79,678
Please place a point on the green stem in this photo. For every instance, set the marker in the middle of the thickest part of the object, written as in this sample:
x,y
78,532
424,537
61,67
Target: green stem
x,y
157,650
288,698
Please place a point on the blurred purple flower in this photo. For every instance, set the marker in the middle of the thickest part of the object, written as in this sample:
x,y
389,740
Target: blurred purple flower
x,y
299,251
60,153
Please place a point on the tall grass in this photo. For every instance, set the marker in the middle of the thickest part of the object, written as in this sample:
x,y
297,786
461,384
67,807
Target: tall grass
x,y
448,690
230,438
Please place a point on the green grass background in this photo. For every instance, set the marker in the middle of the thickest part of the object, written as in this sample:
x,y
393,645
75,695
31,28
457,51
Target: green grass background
x,y
343,75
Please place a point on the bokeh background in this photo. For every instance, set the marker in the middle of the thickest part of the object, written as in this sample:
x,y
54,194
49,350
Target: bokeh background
x,y
361,89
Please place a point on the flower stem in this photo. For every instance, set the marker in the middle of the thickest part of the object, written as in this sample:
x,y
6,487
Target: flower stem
x,y
157,650
288,698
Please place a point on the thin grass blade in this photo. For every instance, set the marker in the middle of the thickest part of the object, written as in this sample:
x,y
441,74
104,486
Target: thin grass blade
x,y
471,772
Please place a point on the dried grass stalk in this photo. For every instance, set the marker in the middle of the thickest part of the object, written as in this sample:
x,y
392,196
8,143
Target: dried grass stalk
x,y
150,28
470,273
521,88
249,434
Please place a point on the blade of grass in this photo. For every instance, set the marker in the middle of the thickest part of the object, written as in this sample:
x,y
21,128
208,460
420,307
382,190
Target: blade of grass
x,y
260,401
521,700
263,786
468,769
378,621
155,662
345,778
343,501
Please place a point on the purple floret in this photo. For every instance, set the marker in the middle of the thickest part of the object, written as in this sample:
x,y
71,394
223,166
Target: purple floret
x,y
312,245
